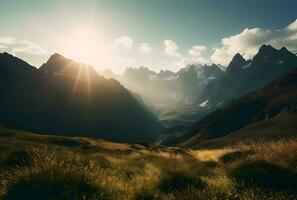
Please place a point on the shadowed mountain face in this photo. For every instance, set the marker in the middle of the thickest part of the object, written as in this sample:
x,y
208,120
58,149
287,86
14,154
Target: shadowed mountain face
x,y
276,103
236,64
69,98
244,76
59,65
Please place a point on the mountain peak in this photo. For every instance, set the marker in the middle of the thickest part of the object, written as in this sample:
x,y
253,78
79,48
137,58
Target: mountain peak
x,y
268,54
236,63
56,55
58,64
238,56
10,64
266,49
285,52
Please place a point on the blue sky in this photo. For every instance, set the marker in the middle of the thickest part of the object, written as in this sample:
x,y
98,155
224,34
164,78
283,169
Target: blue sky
x,y
156,33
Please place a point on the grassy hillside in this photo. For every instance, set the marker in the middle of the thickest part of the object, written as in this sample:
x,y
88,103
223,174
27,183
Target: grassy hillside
x,y
282,126
54,167
276,98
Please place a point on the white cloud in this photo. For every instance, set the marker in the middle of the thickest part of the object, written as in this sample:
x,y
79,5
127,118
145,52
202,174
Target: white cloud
x,y
124,41
184,61
23,49
145,48
194,57
249,41
13,46
171,48
197,50
29,47
4,40
292,26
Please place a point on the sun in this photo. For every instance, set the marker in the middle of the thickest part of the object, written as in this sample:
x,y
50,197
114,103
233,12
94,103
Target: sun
x,y
86,45
82,45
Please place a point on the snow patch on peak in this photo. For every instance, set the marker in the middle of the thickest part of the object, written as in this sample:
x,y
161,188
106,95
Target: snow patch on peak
x,y
204,103
211,78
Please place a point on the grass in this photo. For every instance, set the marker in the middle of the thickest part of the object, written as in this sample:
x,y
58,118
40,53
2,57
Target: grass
x,y
50,167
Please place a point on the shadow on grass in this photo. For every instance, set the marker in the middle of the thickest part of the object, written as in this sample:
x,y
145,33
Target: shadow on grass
x,y
234,156
65,142
210,164
18,158
177,181
266,175
54,184
145,195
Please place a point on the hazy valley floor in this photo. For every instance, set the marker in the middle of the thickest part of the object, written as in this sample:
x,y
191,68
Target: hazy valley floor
x,y
51,167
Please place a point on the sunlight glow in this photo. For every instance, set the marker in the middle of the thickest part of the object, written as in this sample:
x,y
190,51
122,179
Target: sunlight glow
x,y
87,46
82,45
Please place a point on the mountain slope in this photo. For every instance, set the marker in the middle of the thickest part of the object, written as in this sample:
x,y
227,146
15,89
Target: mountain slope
x,y
281,126
45,101
277,97
59,65
244,76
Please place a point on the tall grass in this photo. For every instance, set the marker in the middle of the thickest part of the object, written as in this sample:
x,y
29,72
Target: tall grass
x,y
98,170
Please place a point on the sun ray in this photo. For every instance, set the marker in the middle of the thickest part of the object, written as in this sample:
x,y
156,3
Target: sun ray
x,y
77,79
65,68
89,84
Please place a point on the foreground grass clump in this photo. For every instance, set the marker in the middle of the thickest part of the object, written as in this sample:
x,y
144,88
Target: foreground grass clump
x,y
54,184
46,167
177,181
266,175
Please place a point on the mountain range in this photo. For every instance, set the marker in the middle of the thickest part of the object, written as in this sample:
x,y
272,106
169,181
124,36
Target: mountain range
x,y
243,76
167,87
70,98
268,113
209,85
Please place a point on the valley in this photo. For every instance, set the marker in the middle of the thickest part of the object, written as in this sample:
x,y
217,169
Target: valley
x,y
148,100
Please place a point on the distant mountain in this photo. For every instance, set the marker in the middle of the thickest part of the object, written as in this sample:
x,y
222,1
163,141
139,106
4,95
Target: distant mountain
x,y
166,75
167,87
237,64
69,98
193,79
243,76
266,113
152,88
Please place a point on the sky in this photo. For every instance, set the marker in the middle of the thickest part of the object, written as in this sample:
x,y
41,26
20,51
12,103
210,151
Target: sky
x,y
159,34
